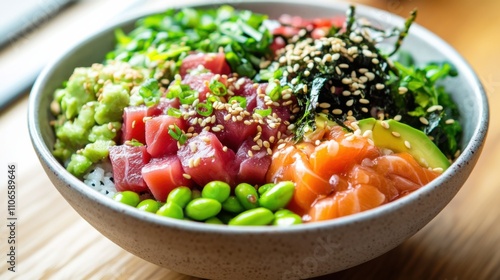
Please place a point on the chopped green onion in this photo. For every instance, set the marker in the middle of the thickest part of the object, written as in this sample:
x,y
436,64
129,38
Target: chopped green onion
x,y
133,143
174,112
204,109
273,90
177,134
188,96
150,92
239,99
263,112
217,88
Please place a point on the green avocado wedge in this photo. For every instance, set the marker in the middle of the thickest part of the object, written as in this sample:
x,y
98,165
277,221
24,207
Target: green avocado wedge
x,y
399,137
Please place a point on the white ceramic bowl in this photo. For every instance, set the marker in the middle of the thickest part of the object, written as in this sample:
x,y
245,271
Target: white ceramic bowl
x,y
212,251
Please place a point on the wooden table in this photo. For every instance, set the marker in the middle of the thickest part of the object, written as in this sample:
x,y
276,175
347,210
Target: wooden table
x,y
462,242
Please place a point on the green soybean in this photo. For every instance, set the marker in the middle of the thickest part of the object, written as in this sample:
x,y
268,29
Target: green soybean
x,y
180,196
247,196
287,220
254,217
214,220
282,212
149,205
203,208
127,197
264,188
172,210
278,196
233,205
217,190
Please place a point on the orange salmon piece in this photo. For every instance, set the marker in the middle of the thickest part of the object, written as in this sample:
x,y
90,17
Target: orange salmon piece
x,y
405,166
308,185
354,200
332,157
366,175
281,165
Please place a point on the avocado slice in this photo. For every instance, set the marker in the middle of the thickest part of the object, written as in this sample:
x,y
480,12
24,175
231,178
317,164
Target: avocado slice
x,y
400,137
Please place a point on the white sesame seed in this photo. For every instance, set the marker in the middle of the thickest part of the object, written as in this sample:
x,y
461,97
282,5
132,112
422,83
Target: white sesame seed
x,y
368,133
187,176
346,81
396,134
344,65
346,93
380,86
424,120
370,75
407,144
435,108
364,101
450,121
324,105
349,103
364,109
375,61
337,111
397,118
402,90
385,125
250,153
438,169
281,146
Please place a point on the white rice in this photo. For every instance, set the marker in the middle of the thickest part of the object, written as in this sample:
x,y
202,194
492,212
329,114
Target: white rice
x,y
100,178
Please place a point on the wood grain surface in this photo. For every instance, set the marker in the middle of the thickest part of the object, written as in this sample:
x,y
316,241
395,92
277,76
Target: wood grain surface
x,y
462,242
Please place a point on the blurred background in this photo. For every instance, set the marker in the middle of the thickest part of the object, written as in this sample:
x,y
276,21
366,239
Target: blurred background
x,y
462,242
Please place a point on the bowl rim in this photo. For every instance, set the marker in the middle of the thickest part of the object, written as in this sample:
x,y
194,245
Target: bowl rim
x,y
477,137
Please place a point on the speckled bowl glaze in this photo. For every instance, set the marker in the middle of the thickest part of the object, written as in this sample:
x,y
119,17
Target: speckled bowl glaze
x,y
221,252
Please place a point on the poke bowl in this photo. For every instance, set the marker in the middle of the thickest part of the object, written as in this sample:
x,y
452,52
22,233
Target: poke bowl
x,y
276,115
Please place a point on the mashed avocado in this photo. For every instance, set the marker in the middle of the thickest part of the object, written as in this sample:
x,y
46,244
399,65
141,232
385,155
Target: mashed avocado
x,y
89,110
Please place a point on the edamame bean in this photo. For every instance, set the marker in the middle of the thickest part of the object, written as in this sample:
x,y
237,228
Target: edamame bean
x,y
264,188
247,195
127,197
287,220
233,205
254,217
149,205
172,210
180,196
202,208
217,190
282,212
214,220
278,196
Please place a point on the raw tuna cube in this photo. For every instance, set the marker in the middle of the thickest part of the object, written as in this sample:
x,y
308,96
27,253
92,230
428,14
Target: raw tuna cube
x,y
234,133
205,159
281,112
252,169
214,62
201,83
162,175
127,162
158,140
245,87
133,124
